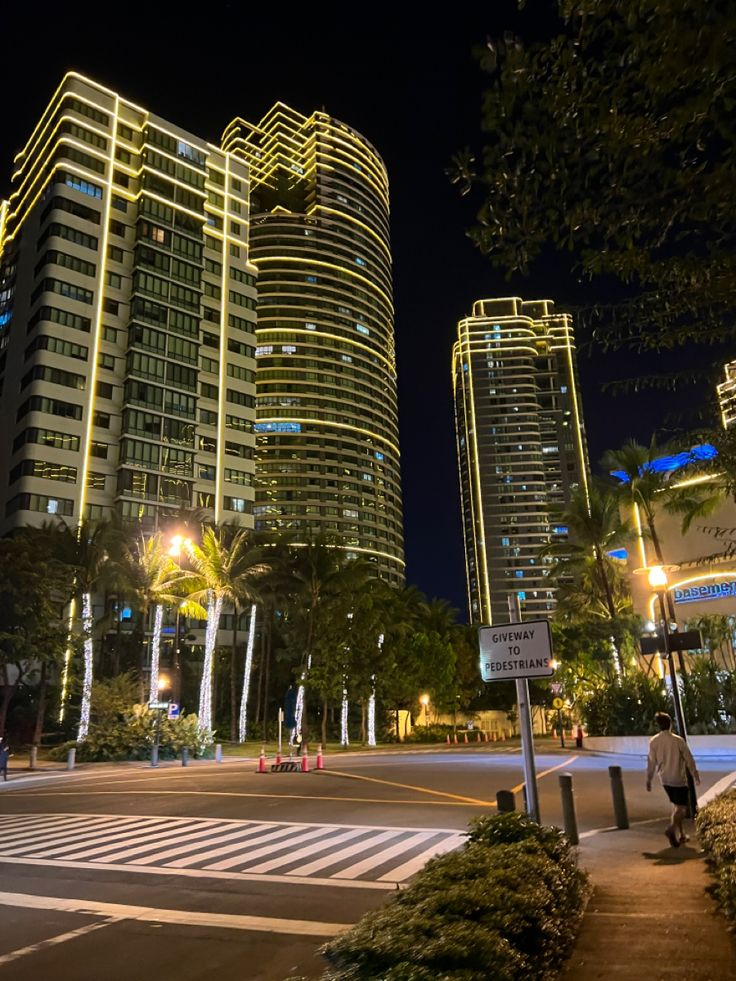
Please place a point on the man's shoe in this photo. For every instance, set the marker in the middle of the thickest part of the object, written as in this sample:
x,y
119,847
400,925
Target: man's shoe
x,y
670,835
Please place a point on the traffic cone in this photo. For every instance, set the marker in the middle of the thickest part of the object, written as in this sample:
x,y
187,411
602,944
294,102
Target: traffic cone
x,y
277,761
262,761
495,737
477,738
465,737
485,736
305,759
503,735
455,739
448,738
320,758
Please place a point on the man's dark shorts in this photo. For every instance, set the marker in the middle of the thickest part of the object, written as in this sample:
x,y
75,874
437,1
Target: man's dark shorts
x,y
678,795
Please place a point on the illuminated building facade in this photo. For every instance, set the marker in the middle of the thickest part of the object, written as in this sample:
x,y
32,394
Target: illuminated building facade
x,y
127,319
727,396
327,441
521,448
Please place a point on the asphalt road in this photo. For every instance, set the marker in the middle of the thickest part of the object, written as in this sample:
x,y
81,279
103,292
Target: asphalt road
x,y
215,871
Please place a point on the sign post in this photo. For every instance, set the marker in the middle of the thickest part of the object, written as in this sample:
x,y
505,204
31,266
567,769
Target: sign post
x,y
521,653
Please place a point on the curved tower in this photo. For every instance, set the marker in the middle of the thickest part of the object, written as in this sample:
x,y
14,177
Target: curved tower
x,y
327,422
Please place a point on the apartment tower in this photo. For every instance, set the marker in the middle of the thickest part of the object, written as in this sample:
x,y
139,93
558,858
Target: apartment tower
x,y
727,395
127,319
521,449
327,440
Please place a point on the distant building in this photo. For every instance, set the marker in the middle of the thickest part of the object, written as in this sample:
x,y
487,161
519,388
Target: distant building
x,y
727,395
327,431
127,319
521,448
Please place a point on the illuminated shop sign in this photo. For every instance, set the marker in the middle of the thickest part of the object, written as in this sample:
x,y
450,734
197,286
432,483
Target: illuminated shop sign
x,y
709,591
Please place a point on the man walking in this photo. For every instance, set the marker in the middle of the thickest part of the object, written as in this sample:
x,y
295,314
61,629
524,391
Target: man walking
x,y
670,757
4,757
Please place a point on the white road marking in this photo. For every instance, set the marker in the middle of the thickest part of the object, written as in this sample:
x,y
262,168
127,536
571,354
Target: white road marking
x,y
296,856
247,849
408,869
723,784
60,938
245,858
176,917
199,873
242,843
379,859
335,858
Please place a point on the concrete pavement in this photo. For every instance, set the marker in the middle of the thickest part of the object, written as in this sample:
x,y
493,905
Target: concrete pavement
x,y
650,917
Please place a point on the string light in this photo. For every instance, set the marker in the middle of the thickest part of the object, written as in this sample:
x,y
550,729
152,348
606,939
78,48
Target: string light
x,y
67,660
87,624
246,675
214,608
344,739
299,710
155,652
372,712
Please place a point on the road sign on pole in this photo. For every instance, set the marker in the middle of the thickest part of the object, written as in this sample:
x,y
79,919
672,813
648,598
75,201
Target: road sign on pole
x,y
516,650
520,651
172,711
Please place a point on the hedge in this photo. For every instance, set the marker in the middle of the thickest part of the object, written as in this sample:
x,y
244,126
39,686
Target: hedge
x,y
506,906
716,824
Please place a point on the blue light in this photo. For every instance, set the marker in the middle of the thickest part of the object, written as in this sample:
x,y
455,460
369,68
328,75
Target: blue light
x,y
676,461
277,427
560,530
5,318
519,573
521,594
618,553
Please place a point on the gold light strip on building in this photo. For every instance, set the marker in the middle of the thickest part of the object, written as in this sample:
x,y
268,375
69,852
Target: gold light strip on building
x,y
102,281
640,537
222,401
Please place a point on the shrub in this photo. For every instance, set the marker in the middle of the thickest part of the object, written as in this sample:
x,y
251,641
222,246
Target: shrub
x,y
627,707
505,907
132,736
716,825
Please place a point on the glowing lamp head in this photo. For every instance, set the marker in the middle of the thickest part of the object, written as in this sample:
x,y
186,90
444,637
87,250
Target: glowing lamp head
x,y
178,544
424,700
649,626
657,576
163,682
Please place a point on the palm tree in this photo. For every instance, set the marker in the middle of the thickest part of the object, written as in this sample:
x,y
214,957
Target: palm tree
x,y
86,550
156,581
226,566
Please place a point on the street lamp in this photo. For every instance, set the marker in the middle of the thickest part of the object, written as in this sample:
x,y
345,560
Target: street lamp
x,y
657,576
424,700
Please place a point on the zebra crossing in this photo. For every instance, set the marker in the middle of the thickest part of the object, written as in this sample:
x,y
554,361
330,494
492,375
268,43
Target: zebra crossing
x,y
327,854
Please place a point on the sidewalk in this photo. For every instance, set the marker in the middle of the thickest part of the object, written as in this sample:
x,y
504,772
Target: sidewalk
x,y
649,918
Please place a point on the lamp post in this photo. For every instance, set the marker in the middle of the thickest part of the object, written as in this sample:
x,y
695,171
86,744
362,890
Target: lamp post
x,y
657,576
424,700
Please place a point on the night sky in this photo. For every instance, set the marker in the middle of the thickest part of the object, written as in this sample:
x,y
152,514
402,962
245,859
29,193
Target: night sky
x,y
414,92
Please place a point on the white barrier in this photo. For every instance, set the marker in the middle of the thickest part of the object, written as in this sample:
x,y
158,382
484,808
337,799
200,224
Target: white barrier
x,y
721,746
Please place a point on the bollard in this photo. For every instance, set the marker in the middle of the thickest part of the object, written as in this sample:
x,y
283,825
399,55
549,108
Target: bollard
x,y
154,754
569,818
185,756
620,814
33,759
71,757
218,752
505,801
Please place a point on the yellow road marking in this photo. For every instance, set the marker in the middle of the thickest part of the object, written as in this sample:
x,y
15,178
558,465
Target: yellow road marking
x,y
409,786
462,802
520,786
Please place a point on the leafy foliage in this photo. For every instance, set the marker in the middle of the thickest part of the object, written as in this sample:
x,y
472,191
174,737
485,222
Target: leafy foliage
x,y
716,825
612,142
505,907
626,708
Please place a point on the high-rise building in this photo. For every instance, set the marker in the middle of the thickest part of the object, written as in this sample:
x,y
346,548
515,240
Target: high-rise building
x,y
127,319
327,440
727,395
521,448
